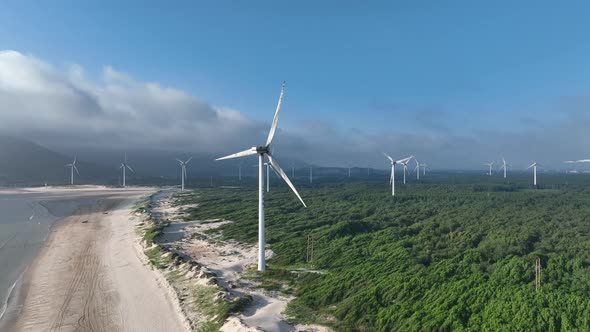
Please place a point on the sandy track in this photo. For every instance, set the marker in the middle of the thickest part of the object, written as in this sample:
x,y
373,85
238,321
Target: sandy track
x,y
90,276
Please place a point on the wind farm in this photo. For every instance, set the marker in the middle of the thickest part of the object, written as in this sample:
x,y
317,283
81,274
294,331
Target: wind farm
x,y
436,167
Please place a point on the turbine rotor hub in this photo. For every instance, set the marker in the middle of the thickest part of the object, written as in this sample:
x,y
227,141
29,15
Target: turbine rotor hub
x,y
261,149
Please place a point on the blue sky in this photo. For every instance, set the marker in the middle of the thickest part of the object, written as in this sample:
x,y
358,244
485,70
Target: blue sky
x,y
454,67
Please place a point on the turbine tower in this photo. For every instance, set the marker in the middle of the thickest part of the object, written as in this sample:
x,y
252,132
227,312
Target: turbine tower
x,y
405,164
72,167
183,170
417,169
490,168
534,166
124,166
310,174
393,163
504,166
424,168
261,151
267,177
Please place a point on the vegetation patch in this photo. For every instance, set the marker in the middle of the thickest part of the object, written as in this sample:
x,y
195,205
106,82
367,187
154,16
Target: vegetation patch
x,y
206,304
451,252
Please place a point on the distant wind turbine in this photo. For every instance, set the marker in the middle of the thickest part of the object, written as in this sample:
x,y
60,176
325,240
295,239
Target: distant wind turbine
x,y
124,166
424,166
504,166
392,177
417,169
405,164
261,151
490,165
310,174
577,161
72,167
534,166
183,170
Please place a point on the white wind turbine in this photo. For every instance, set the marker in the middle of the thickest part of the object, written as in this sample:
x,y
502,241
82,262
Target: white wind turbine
x,y
124,166
417,169
577,161
504,166
183,170
72,167
392,177
261,151
405,164
310,174
424,166
534,166
490,167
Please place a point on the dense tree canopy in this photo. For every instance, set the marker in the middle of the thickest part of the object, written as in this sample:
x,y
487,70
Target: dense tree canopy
x,y
447,253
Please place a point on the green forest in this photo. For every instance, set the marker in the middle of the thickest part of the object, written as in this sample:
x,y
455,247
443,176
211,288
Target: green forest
x,y
451,252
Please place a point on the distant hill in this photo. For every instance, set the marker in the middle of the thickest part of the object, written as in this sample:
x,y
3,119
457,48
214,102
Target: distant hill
x,y
23,162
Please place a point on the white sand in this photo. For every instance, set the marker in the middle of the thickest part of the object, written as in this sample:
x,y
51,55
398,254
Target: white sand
x,y
91,276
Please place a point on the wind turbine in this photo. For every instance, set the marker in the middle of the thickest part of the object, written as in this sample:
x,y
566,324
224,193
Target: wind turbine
x,y
392,177
349,170
490,166
417,169
310,174
504,166
182,168
73,167
405,164
124,165
240,171
577,161
261,151
534,166
424,168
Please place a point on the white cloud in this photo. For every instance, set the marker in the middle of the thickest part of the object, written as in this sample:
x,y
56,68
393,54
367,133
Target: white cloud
x,y
57,107
65,108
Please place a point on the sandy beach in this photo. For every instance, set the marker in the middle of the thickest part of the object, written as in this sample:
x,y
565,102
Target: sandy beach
x,y
91,274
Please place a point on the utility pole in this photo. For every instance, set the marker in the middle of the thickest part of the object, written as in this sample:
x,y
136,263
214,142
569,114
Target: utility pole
x,y
537,274
309,251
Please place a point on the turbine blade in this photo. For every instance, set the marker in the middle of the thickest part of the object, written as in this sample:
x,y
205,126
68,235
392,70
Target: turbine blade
x,y
244,153
180,161
187,161
131,169
76,168
282,174
388,156
274,170
273,126
583,161
401,161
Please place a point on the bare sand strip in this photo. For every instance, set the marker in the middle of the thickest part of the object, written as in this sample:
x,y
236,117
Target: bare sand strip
x,y
90,276
230,261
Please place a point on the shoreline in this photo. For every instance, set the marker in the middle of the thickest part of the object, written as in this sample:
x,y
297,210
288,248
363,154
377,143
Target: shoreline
x,y
90,274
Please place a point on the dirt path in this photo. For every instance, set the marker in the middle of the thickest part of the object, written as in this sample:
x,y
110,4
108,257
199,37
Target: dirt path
x,y
90,276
